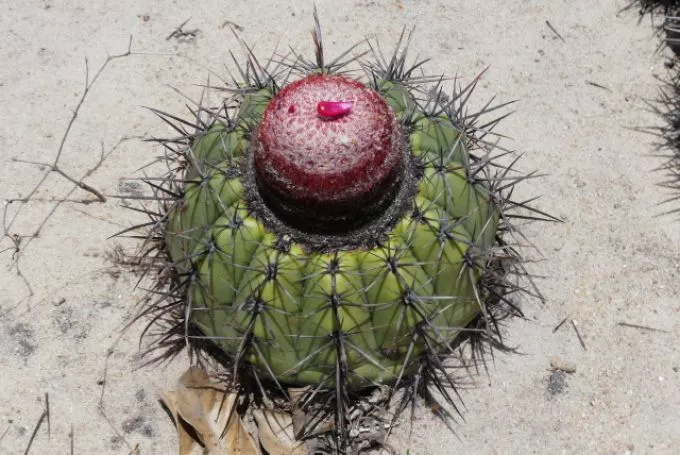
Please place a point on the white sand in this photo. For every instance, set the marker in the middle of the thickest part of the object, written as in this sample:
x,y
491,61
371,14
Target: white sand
x,y
611,261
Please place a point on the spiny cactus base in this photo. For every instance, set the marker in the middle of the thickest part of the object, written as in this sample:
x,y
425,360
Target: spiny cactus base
x,y
334,228
667,105
665,15
665,7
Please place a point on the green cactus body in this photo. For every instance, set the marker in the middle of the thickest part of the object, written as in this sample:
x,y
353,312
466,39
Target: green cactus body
x,y
297,310
334,225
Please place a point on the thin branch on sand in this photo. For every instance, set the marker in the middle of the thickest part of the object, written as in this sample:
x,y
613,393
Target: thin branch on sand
x,y
18,243
44,416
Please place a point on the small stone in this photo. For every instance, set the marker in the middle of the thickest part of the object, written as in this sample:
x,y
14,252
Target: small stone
x,y
559,364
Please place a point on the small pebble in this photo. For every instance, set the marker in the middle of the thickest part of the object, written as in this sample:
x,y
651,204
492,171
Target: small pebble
x,y
557,363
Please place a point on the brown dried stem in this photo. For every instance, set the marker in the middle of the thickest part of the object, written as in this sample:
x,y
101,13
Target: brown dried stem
x,y
16,241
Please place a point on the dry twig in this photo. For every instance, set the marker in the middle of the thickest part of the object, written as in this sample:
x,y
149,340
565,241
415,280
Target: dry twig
x,y
180,33
578,334
641,327
17,243
44,416
550,26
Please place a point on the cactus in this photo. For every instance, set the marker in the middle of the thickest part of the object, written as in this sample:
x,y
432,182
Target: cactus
x,y
654,6
669,12
667,105
338,229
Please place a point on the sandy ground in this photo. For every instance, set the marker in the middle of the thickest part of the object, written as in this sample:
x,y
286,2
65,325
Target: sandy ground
x,y
611,261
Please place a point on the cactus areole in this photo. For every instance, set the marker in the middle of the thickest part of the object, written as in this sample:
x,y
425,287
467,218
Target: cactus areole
x,y
328,153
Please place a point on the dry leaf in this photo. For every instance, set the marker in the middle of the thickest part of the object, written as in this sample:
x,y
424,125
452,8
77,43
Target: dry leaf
x,y
275,430
202,410
299,417
302,421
